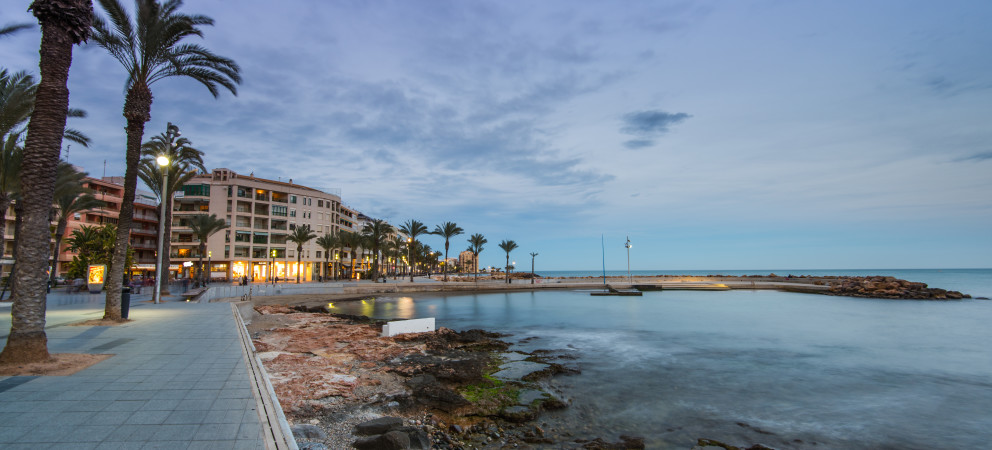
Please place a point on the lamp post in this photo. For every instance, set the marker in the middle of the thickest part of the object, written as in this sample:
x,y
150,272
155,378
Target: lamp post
x,y
409,256
337,258
629,280
209,269
272,267
532,256
163,163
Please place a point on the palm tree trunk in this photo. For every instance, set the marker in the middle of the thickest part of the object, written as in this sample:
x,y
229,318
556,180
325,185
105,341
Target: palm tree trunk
x,y
445,260
60,25
299,258
4,205
203,249
59,234
137,111
507,267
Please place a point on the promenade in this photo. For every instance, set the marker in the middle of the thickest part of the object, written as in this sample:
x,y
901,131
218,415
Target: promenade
x,y
177,380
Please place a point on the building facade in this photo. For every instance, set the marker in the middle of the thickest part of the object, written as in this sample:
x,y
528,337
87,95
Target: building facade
x,y
261,214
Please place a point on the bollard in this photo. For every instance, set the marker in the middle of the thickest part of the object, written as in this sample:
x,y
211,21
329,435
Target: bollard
x,y
125,301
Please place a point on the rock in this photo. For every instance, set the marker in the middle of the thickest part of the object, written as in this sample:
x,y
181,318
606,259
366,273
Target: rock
x,y
518,414
305,431
456,429
393,440
312,446
378,426
435,395
632,442
418,438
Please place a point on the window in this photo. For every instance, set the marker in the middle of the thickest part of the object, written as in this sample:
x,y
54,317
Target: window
x,y
320,203
278,210
292,199
202,190
318,251
292,213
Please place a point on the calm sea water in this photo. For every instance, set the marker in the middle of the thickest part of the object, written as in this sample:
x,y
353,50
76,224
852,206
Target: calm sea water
x,y
784,369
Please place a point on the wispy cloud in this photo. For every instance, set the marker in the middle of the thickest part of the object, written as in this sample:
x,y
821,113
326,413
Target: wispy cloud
x,y
648,125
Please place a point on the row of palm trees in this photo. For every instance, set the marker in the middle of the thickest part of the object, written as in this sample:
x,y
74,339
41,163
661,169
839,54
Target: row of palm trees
x,y
151,46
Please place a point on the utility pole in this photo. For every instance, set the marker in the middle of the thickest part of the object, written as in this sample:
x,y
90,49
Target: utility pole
x,y
629,279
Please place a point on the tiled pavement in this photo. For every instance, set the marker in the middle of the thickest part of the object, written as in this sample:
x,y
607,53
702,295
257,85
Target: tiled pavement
x,y
178,380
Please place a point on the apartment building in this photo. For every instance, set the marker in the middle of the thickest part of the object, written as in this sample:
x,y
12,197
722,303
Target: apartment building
x,y
144,222
261,214
111,191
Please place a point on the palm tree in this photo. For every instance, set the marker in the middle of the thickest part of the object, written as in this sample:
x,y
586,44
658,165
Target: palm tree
x,y
184,162
203,226
377,232
64,23
17,96
448,230
475,244
150,49
413,228
352,241
13,28
70,197
327,242
395,246
301,235
507,246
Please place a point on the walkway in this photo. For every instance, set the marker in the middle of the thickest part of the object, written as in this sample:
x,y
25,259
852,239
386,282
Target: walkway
x,y
178,380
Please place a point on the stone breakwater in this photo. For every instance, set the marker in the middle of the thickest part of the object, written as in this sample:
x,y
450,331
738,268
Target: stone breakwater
x,y
889,287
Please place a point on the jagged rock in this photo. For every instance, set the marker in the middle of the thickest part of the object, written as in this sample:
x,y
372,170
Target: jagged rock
x,y
889,287
418,438
304,431
393,440
378,426
518,414
312,446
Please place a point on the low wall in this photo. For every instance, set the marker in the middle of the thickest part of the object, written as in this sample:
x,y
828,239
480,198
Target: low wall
x,y
408,326
265,290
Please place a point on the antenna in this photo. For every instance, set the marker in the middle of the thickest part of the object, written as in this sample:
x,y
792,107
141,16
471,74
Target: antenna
x,y
67,147
105,168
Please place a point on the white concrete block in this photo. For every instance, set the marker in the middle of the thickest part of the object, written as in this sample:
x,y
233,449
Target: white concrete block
x,y
408,326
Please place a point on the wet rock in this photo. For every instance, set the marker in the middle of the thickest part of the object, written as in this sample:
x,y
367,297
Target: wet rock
x,y
378,426
551,370
889,287
712,444
418,438
436,395
308,432
625,443
312,446
518,414
393,440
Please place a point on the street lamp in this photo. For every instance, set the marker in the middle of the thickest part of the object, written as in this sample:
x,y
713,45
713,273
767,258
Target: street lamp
x,y
163,163
409,256
209,269
532,256
272,266
629,280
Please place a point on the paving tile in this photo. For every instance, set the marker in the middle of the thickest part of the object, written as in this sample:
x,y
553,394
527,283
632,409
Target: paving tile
x,y
187,417
109,418
119,445
73,417
73,446
166,445
126,405
195,404
175,432
249,444
88,405
217,431
147,417
211,445
10,435
161,404
89,433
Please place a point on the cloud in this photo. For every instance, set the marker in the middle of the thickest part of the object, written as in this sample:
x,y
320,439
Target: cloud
x,y
982,156
635,144
651,123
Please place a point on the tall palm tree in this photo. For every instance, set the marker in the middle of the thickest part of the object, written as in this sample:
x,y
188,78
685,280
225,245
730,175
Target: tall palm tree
x,y
150,48
184,162
64,23
475,243
447,230
508,246
395,245
301,235
413,228
203,226
352,241
70,197
377,232
17,96
327,242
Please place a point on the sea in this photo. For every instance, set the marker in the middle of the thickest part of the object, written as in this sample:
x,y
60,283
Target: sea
x,y
787,370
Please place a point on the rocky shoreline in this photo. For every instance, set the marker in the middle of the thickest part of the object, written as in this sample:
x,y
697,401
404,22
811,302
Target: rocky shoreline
x,y
342,385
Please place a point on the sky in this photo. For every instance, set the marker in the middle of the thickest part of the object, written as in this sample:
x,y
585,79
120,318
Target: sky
x,y
750,135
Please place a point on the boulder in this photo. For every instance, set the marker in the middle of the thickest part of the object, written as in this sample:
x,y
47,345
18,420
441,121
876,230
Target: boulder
x,y
393,440
304,431
378,426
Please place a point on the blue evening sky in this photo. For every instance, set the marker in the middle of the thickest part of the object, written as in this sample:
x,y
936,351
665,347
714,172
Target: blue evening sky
x,y
755,134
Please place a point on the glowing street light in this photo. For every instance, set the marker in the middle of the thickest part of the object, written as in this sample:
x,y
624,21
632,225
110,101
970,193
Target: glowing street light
x,y
163,162
532,256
